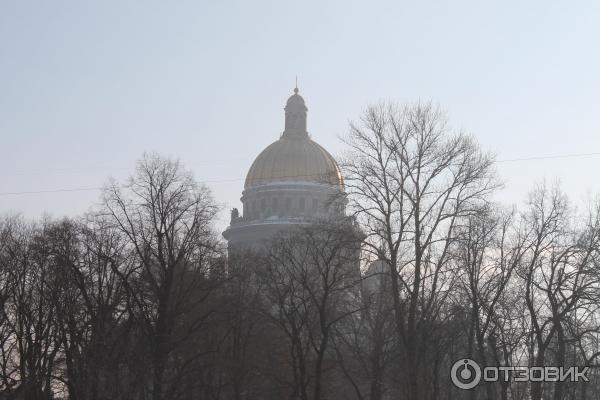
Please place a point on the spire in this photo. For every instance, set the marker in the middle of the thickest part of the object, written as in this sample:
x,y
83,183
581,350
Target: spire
x,y
295,115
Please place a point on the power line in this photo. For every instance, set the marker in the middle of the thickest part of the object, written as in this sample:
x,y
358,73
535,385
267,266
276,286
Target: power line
x,y
535,158
106,168
49,191
550,157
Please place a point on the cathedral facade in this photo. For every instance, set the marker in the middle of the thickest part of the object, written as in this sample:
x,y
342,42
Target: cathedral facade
x,y
293,182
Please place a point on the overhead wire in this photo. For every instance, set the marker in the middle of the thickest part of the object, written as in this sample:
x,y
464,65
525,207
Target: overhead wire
x,y
67,190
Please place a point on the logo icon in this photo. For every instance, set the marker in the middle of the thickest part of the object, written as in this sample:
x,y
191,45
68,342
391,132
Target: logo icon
x,y
465,374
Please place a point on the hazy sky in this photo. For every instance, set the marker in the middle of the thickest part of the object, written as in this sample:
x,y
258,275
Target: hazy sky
x,y
87,87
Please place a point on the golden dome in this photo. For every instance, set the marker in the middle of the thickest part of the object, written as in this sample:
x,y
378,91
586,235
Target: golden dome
x,y
294,158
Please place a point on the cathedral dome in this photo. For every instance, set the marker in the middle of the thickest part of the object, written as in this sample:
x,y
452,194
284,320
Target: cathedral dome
x,y
294,158
293,182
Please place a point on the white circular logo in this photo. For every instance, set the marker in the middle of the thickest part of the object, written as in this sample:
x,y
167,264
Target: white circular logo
x,y
465,374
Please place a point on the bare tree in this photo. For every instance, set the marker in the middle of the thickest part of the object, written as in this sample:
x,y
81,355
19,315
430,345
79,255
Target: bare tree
x,y
91,311
7,344
310,279
410,182
488,250
365,343
30,343
247,332
168,220
559,274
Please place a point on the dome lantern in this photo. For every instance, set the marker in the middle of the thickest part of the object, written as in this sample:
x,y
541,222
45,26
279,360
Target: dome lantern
x,y
295,115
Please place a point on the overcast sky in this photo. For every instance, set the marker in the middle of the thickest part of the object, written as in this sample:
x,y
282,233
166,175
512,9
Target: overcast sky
x,y
87,87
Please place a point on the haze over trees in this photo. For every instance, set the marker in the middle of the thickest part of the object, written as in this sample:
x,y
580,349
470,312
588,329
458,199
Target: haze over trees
x,y
139,299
